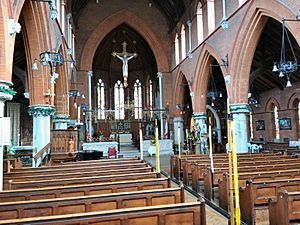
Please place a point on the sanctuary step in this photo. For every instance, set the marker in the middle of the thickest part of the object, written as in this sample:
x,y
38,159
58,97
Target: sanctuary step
x,y
129,151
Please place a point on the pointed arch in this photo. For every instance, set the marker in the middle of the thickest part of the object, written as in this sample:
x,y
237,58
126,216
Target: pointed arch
x,y
270,103
291,102
253,23
201,76
179,88
107,25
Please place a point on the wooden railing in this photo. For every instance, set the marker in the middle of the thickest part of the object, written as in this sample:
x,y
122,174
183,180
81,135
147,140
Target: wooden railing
x,y
37,158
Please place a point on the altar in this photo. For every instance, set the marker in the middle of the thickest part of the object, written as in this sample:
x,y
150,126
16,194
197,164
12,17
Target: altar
x,y
100,146
124,138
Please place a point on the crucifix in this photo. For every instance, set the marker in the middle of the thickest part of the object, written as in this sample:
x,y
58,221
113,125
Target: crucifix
x,y
124,57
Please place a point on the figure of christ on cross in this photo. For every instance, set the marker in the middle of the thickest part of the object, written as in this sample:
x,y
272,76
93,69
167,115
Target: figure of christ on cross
x,y
125,57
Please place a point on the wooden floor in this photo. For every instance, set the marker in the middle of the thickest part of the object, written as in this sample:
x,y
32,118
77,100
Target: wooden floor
x,y
212,216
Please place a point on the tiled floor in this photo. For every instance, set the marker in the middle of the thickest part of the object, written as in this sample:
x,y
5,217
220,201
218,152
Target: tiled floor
x,y
212,216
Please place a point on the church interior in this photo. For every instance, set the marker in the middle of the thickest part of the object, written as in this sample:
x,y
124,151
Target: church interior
x,y
157,112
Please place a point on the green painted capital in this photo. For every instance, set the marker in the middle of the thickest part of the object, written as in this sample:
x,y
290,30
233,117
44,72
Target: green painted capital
x,y
199,115
6,93
41,110
61,118
239,108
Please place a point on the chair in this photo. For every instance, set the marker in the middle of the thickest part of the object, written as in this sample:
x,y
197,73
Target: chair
x,y
112,152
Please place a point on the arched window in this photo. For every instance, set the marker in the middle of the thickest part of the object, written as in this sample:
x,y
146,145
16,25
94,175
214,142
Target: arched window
x,y
251,125
211,16
100,100
276,122
151,97
199,18
119,101
176,50
58,5
137,100
183,43
299,113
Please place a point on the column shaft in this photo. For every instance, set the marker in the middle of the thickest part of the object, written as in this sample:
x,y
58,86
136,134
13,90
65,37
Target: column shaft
x,y
239,114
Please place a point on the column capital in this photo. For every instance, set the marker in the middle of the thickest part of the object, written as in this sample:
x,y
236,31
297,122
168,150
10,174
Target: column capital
x,y
90,73
199,115
61,118
159,75
41,110
189,23
69,15
178,119
239,108
6,93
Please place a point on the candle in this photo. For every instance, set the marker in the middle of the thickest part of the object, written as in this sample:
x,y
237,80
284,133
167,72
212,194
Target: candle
x,y
157,151
78,114
141,144
178,134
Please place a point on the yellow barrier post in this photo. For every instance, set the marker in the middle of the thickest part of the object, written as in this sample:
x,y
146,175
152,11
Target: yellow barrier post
x,y
229,124
210,146
236,181
231,190
157,149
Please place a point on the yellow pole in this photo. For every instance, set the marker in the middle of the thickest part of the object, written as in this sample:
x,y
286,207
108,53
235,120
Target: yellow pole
x,y
178,135
229,124
236,181
229,135
210,146
157,149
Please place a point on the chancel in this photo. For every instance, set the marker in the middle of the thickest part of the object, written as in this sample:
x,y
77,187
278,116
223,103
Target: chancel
x,y
105,106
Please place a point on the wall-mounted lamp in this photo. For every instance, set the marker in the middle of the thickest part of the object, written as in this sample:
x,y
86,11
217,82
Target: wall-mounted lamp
x,y
75,94
53,9
150,3
52,59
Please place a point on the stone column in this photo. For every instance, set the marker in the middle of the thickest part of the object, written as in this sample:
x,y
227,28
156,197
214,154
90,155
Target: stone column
x,y
61,121
178,123
90,74
41,125
201,130
6,93
239,115
190,54
160,76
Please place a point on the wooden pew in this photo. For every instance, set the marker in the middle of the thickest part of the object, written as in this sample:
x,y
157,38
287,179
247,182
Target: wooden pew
x,y
284,210
175,214
211,179
223,186
197,168
90,163
80,180
84,189
74,169
258,193
176,165
82,204
85,173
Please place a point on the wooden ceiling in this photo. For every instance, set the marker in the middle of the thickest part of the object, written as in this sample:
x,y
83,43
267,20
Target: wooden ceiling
x,y
171,9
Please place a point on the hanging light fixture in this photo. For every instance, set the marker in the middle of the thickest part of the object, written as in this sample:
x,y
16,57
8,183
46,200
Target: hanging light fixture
x,y
286,66
213,93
